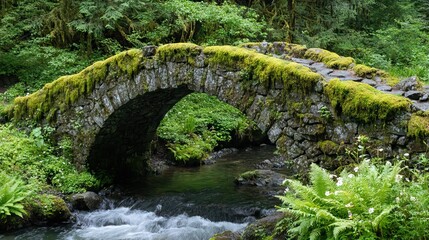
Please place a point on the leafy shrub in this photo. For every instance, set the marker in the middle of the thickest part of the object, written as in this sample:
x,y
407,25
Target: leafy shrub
x,y
36,162
197,124
12,194
370,202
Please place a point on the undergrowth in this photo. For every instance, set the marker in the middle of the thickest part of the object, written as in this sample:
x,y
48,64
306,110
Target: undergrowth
x,y
197,124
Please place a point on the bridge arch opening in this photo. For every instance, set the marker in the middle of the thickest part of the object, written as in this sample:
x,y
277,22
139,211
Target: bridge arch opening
x,y
123,145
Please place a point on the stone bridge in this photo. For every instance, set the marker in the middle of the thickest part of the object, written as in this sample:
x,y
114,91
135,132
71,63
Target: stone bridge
x,y
297,96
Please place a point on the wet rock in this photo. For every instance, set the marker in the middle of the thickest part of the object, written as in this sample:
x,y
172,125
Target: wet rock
x,y
227,235
408,84
413,95
260,178
385,88
86,201
424,98
265,228
223,152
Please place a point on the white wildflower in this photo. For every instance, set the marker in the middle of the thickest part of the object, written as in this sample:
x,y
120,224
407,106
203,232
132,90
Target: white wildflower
x,y
349,205
412,198
388,163
370,210
350,215
351,175
327,193
287,190
380,149
398,178
406,155
331,176
356,169
339,181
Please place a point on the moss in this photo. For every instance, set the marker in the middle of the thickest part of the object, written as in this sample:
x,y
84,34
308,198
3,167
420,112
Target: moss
x,y
363,102
178,51
331,59
67,89
364,71
49,208
418,126
264,69
249,175
296,50
387,78
328,147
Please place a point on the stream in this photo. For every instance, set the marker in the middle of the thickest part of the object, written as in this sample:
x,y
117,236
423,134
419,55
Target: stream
x,y
181,203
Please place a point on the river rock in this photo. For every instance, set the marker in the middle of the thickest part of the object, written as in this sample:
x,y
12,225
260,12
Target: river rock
x,y
413,95
86,201
264,228
227,235
261,178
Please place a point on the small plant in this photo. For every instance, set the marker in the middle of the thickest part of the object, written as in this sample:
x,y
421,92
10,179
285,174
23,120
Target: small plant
x,y
12,194
325,113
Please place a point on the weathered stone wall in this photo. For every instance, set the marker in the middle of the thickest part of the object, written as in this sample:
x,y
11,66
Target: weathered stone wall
x,y
113,124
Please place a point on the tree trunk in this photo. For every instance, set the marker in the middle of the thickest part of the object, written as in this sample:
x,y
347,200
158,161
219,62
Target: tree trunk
x,y
291,23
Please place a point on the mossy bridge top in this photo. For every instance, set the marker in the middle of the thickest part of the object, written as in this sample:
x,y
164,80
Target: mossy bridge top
x,y
311,103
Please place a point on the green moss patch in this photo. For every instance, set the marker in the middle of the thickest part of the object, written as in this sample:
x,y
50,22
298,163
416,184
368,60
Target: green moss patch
x,y
364,71
263,68
363,102
176,51
418,126
331,59
328,147
67,89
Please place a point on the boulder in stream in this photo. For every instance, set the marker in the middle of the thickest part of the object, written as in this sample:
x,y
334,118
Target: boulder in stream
x,y
260,178
86,201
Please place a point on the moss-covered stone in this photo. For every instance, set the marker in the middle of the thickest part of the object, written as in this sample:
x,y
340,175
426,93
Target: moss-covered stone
x,y
296,50
331,59
363,102
263,68
41,209
328,147
178,51
364,71
67,89
418,126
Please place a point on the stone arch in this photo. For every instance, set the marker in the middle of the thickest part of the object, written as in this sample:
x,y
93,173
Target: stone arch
x,y
284,98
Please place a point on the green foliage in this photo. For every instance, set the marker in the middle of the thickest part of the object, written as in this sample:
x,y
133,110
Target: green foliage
x,y
35,161
371,202
13,192
197,124
363,102
209,23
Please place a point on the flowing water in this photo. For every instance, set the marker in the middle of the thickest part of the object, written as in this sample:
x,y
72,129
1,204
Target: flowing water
x,y
181,203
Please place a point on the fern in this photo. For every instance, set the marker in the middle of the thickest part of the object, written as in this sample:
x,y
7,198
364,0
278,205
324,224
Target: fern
x,y
12,193
358,205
